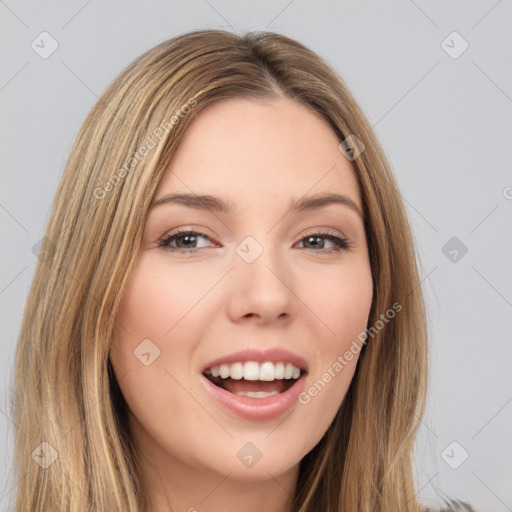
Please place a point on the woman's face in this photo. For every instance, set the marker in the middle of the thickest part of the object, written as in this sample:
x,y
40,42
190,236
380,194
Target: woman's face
x,y
277,284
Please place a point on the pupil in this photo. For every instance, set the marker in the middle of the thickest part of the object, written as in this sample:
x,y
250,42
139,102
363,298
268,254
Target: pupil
x,y
315,238
187,238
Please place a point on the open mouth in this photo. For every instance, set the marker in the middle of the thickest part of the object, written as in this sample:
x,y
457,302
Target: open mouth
x,y
254,380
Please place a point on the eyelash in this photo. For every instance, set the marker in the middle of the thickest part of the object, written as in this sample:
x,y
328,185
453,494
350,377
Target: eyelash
x,y
341,243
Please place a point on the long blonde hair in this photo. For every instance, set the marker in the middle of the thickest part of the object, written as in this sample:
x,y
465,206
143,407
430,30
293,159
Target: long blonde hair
x,y
65,393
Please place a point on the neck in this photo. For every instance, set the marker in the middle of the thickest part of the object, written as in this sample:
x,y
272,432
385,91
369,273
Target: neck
x,y
194,491
175,485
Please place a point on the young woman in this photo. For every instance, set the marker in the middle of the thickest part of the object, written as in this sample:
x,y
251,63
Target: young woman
x,y
228,314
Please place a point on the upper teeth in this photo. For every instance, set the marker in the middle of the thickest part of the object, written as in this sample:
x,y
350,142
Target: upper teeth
x,y
252,370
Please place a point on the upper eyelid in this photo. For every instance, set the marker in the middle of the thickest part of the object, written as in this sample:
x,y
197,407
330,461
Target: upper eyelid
x,y
312,231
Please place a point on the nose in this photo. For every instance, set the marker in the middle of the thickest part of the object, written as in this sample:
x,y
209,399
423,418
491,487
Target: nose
x,y
262,290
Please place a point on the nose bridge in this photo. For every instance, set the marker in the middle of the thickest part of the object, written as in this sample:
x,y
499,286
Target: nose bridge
x,y
262,280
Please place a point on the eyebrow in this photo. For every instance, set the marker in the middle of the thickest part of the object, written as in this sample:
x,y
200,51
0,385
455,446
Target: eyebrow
x,y
216,204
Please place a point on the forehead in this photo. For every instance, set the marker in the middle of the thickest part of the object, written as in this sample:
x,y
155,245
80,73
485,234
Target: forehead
x,y
254,150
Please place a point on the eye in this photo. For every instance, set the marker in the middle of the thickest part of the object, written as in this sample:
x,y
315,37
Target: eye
x,y
183,241
318,242
189,242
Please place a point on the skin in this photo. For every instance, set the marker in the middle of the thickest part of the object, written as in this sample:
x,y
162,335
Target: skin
x,y
295,295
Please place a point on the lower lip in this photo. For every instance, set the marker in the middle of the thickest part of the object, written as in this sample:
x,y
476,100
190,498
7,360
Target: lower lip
x,y
256,409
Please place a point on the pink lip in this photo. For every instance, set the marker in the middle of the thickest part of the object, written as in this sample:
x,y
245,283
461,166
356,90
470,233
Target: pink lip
x,y
275,355
256,409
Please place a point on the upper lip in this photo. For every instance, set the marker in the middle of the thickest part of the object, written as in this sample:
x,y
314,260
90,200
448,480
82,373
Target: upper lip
x,y
274,355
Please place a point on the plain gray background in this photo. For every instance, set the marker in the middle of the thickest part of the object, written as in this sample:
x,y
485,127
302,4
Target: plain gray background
x,y
444,120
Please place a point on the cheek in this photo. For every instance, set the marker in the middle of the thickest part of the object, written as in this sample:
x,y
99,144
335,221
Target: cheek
x,y
156,300
151,315
343,303
149,309
159,314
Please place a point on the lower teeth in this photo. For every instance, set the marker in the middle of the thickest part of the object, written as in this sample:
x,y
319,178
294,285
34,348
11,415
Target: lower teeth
x,y
257,394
